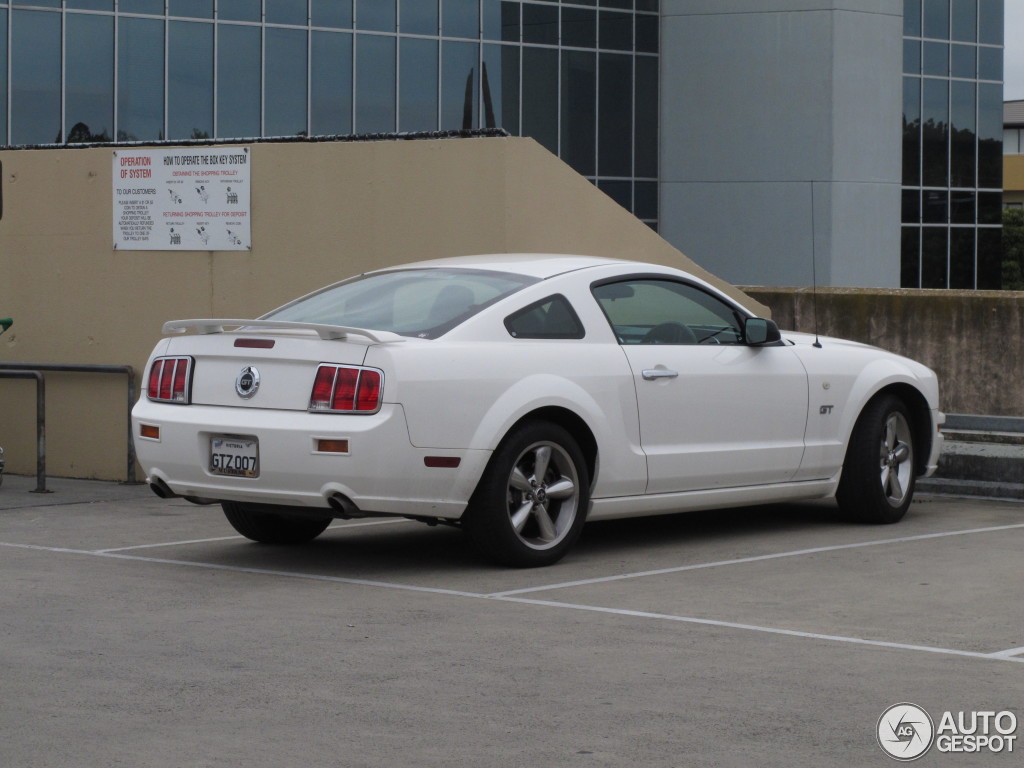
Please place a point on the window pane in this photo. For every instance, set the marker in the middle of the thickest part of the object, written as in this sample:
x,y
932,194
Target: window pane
x,y
579,27
645,199
911,208
240,10
91,5
961,207
616,31
501,87
965,20
377,15
375,83
963,134
418,17
912,18
140,79
962,64
912,57
990,63
331,13
936,133
331,83
190,81
647,34
990,136
936,19
990,205
238,81
936,206
579,110
619,191
911,131
910,257
89,78
990,259
461,18
286,12
936,59
152,7
540,96
540,24
459,86
990,22
961,258
646,129
934,257
615,100
417,100
197,9
35,77
285,83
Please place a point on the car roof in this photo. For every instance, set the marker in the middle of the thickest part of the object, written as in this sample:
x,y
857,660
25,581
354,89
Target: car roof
x,y
539,265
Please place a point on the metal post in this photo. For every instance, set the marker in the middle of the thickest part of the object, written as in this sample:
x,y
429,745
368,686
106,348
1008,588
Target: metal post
x,y
40,422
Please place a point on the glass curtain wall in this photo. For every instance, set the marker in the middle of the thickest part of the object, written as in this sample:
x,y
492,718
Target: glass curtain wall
x,y
952,144
580,77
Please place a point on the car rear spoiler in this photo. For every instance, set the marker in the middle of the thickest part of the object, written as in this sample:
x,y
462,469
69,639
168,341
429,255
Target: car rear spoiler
x,y
326,332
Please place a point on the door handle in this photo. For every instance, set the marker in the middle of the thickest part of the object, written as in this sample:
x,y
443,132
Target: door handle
x,y
650,374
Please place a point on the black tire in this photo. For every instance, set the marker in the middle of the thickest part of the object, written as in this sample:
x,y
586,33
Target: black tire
x,y
518,518
879,473
271,528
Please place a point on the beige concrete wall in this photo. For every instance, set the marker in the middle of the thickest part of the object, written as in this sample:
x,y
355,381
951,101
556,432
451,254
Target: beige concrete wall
x,y
1013,177
974,340
320,212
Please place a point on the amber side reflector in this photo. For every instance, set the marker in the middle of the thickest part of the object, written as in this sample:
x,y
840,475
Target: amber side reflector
x,y
332,446
255,343
146,430
444,462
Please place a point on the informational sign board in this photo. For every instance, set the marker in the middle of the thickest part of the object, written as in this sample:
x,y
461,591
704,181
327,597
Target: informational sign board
x,y
182,199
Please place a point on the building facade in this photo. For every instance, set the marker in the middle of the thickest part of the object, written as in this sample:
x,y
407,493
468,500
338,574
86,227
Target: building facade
x,y
1013,154
761,137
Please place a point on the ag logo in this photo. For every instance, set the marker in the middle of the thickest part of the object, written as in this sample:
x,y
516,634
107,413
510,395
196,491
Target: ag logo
x,y
905,732
247,382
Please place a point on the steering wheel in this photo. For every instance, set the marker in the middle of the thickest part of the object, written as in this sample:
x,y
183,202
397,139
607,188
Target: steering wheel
x,y
669,333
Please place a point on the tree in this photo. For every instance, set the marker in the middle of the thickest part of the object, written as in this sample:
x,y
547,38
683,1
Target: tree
x,y
1013,249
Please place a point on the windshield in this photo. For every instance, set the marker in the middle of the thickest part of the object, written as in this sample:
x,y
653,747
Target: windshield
x,y
424,303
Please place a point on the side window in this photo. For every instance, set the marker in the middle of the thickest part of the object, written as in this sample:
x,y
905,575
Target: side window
x,y
550,318
659,311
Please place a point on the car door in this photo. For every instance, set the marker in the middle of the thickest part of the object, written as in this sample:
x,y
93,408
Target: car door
x,y
714,412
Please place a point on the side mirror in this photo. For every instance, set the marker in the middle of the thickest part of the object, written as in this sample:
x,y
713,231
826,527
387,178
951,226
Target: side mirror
x,y
758,331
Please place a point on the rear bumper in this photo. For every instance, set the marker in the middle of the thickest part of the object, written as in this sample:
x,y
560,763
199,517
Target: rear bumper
x,y
381,473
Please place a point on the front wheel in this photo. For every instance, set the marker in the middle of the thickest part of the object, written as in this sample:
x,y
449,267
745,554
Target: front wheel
x,y
877,484
270,528
532,499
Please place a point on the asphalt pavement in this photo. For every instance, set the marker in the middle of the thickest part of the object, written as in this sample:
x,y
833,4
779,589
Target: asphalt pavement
x,y
141,632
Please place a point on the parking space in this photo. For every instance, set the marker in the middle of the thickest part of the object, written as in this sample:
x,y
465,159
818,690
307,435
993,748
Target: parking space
x,y
142,632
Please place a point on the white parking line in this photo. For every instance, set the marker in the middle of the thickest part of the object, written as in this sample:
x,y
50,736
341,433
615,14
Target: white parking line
x,y
754,559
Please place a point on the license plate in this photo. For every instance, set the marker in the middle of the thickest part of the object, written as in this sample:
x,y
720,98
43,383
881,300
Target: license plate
x,y
234,456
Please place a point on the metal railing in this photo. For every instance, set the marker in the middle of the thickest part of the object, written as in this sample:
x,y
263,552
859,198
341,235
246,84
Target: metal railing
x,y
35,370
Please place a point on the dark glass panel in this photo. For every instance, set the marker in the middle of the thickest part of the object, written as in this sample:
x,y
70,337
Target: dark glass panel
x,y
540,96
615,124
910,257
990,63
196,9
619,191
646,117
965,20
331,83
912,18
35,77
286,12
963,61
935,134
501,20
189,80
936,59
579,110
91,5
284,84
461,18
990,259
990,207
331,13
417,99
615,30
936,204
375,83
418,17
961,207
647,34
459,85
242,10
911,131
936,19
140,79
912,57
89,78
961,258
153,7
645,5
238,81
645,199
579,27
934,257
501,87
963,136
911,208
377,15
990,136
3,76
540,24
990,22
616,3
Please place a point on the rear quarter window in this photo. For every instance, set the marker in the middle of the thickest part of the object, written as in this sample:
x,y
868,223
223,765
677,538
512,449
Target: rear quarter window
x,y
550,318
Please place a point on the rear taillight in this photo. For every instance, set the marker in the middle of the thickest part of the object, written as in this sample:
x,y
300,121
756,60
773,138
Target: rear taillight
x,y
170,380
346,389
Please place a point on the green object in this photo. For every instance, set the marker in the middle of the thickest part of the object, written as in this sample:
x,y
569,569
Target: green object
x,y
5,323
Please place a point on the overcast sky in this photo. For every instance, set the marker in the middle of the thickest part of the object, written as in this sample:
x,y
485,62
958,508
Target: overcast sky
x,y
1013,90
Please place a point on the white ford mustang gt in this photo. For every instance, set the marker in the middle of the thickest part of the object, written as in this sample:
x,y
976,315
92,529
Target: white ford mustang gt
x,y
520,395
